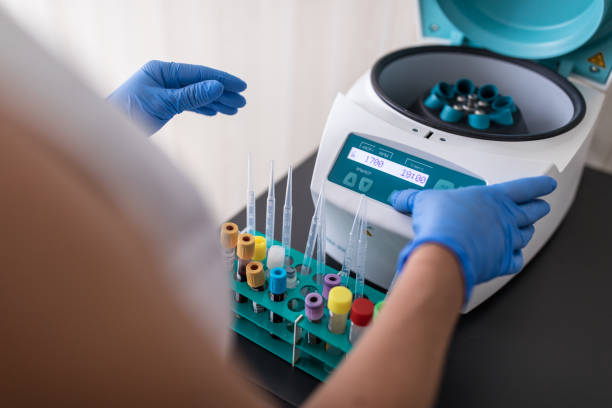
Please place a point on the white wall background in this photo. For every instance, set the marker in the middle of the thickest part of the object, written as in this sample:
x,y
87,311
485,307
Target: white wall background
x,y
295,56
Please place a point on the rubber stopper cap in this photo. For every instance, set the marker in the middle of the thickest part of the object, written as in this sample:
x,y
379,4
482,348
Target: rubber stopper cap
x,y
276,257
314,306
278,281
256,277
229,235
362,311
246,246
330,281
339,301
260,249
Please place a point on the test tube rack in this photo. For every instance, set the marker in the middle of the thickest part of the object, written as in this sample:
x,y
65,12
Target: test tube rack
x,y
290,342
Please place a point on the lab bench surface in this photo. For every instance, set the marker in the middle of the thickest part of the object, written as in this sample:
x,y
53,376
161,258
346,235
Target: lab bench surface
x,y
545,339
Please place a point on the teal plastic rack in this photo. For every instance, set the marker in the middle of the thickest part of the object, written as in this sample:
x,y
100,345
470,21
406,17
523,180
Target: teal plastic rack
x,y
290,342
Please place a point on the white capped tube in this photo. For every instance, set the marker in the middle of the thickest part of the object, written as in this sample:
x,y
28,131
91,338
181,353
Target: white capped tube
x,y
276,257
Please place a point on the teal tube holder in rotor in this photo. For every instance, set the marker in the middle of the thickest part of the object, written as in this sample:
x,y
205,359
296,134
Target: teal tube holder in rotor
x,y
480,122
503,102
439,95
502,117
463,87
449,114
488,93
433,101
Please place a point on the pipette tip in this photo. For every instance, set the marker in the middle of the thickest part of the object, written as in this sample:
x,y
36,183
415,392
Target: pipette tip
x,y
270,209
289,189
288,214
271,185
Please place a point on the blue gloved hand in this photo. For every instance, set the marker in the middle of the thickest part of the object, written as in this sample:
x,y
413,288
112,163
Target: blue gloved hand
x,y
484,226
160,90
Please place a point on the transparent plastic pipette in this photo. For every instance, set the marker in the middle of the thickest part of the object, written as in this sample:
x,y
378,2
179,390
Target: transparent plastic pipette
x,y
250,199
349,252
362,247
288,213
270,209
313,232
392,283
321,240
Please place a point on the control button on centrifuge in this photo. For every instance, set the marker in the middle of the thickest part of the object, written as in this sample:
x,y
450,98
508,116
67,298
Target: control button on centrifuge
x,y
350,179
443,185
365,184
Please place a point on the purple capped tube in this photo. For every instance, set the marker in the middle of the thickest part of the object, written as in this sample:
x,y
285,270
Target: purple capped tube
x,y
314,313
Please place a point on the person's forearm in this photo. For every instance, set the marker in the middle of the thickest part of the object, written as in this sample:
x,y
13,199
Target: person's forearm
x,y
399,360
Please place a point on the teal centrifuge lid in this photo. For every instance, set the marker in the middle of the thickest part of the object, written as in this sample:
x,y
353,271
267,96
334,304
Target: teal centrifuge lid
x,y
569,36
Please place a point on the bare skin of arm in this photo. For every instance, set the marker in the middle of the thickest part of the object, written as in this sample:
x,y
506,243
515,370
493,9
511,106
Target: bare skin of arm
x,y
398,362
88,320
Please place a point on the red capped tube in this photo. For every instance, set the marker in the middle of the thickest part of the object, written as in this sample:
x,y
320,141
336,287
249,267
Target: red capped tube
x,y
362,311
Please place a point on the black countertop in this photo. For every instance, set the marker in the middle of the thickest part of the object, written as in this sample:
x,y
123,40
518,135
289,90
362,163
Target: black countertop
x,y
545,339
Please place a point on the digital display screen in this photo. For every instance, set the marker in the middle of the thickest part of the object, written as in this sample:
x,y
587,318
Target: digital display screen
x,y
394,169
368,167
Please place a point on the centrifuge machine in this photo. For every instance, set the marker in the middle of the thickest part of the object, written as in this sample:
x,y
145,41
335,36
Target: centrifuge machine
x,y
552,60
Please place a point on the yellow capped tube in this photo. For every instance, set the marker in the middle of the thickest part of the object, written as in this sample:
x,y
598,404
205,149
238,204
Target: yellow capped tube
x,y
339,305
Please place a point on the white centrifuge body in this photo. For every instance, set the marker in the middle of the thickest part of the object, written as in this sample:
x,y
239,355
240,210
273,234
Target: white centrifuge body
x,y
374,117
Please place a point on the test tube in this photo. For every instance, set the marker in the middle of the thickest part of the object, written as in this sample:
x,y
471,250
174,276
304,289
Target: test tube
x,y
245,251
361,315
256,279
314,313
270,208
229,240
278,290
330,281
339,305
291,277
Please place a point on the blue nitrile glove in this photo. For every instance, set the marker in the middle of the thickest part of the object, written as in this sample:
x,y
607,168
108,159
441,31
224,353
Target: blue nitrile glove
x,y
484,226
160,90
